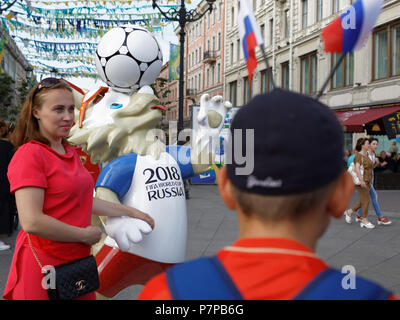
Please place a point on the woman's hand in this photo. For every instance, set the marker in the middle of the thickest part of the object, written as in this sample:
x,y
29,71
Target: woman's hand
x,y
92,235
135,213
363,184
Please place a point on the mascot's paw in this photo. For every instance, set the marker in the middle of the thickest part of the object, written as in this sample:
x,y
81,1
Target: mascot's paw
x,y
212,112
206,138
126,230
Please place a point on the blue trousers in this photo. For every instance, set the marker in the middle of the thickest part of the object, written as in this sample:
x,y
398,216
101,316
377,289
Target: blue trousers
x,y
374,199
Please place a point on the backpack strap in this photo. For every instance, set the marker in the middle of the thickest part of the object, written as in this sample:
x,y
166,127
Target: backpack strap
x,y
201,279
328,286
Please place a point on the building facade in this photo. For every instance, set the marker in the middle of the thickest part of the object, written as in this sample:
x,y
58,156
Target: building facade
x,y
204,56
13,62
292,35
291,30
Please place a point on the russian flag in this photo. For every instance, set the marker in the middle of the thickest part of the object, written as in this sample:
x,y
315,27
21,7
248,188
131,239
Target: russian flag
x,y
249,34
350,31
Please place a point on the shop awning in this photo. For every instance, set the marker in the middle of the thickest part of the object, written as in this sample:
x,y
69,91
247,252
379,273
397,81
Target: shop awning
x,y
355,119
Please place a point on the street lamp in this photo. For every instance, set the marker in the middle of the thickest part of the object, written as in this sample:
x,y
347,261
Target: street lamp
x,y
28,71
5,5
29,74
182,16
54,72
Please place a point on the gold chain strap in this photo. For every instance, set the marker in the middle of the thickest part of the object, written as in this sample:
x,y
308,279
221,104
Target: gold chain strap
x,y
34,253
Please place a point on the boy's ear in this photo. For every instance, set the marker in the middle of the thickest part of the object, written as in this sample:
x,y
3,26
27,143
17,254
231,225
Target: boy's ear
x,y
341,194
225,189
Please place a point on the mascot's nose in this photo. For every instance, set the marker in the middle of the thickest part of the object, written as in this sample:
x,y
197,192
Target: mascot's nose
x,y
159,107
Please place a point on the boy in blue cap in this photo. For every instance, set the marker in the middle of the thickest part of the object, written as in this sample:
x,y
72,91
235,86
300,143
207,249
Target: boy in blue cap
x,y
284,206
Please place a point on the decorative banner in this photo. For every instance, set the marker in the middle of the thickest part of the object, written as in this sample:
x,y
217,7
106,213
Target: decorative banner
x,y
38,27
174,54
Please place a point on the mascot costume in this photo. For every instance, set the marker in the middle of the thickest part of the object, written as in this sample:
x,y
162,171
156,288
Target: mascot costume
x,y
116,125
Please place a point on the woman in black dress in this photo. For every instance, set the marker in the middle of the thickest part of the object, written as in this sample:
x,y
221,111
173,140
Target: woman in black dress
x,y
8,210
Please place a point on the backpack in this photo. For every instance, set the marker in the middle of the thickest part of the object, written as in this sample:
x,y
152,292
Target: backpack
x,y
206,279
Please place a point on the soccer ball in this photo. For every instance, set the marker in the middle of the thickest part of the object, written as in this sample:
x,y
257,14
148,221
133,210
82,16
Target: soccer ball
x,y
128,57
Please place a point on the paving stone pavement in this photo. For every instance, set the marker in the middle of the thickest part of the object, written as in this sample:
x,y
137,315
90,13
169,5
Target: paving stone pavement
x,y
374,253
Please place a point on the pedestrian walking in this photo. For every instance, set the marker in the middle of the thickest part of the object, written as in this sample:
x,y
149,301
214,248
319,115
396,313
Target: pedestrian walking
x,y
373,145
7,203
54,192
362,161
284,206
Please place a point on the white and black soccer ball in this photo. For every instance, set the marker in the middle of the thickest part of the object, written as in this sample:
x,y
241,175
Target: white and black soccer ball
x,y
128,57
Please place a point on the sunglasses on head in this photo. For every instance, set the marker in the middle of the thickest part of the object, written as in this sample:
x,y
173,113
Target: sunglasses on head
x,y
46,83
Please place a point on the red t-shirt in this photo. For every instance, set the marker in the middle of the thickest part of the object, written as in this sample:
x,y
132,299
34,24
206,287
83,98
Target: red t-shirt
x,y
261,268
68,189
68,197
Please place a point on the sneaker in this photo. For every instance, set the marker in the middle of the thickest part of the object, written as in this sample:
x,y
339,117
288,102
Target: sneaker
x,y
347,215
367,225
358,218
385,221
4,246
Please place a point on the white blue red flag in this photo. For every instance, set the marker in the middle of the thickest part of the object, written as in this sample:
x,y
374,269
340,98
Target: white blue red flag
x,y
249,34
350,31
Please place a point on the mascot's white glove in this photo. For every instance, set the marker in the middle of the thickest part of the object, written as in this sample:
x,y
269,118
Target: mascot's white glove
x,y
209,124
125,230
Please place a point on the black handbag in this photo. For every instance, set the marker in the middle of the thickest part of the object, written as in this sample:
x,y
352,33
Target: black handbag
x,y
73,279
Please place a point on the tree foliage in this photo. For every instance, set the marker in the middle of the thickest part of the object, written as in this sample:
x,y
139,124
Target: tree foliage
x,y
6,95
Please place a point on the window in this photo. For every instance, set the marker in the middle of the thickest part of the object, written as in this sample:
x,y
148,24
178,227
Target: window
x,y
262,30
287,23
219,41
199,54
238,50
219,72
344,75
271,31
220,11
266,85
231,53
285,75
233,93
309,73
254,5
248,90
320,9
335,6
304,17
200,81
386,51
208,78
232,17
212,75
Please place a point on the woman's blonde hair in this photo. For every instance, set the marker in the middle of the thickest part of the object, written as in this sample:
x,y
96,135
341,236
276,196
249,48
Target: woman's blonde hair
x,y
27,127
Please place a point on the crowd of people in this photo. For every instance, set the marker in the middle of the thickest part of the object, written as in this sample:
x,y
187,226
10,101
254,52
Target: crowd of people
x,y
366,164
387,161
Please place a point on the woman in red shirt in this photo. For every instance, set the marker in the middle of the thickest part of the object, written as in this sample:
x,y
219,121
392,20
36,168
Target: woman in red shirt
x,y
54,192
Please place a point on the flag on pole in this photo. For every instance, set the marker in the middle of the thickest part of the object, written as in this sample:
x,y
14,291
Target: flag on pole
x,y
249,34
350,31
